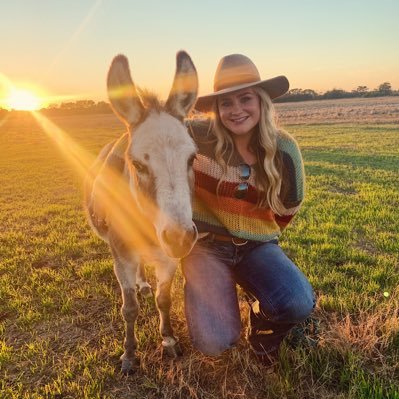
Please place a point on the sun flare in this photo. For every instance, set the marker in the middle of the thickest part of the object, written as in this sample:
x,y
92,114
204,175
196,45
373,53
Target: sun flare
x,y
23,100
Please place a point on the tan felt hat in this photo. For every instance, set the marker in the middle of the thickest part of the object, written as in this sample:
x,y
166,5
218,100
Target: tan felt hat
x,y
236,72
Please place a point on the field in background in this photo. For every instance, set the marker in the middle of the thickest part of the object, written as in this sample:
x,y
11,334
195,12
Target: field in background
x,y
60,327
350,110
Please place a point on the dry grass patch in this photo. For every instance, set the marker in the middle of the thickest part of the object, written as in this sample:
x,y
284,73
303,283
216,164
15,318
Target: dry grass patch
x,y
372,333
343,110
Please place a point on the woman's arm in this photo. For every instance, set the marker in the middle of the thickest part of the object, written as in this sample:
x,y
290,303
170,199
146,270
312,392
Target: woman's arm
x,y
293,179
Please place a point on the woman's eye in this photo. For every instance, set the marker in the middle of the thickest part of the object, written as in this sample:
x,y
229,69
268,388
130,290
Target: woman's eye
x,y
140,168
245,99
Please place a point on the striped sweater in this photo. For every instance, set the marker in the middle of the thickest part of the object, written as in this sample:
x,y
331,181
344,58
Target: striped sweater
x,y
224,214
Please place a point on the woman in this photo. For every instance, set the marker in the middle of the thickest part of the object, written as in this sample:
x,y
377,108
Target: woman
x,y
249,183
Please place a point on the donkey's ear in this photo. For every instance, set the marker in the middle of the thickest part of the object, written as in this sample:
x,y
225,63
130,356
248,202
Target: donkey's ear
x,y
185,87
122,92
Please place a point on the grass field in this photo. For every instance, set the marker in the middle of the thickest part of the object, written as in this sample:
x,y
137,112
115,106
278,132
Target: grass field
x,y
60,326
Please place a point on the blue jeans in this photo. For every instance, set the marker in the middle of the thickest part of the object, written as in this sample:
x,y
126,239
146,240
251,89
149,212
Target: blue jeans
x,y
279,294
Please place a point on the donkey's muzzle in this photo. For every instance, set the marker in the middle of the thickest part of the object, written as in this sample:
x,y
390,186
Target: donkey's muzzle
x,y
178,242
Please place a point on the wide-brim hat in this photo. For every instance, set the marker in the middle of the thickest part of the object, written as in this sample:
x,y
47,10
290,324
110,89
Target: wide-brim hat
x,y
236,72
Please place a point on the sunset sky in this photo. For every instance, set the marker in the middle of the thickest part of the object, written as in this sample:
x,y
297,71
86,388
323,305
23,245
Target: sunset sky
x,y
62,49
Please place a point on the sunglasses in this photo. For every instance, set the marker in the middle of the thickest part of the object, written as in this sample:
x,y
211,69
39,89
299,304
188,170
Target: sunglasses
x,y
242,188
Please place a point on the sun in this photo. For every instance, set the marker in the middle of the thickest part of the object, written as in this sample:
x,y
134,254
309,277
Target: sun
x,y
23,100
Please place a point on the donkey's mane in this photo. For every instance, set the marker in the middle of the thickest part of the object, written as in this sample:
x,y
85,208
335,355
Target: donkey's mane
x,y
150,100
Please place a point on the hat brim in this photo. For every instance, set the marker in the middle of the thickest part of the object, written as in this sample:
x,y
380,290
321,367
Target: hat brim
x,y
275,87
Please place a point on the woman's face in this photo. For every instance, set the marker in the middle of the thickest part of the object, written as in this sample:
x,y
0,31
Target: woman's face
x,y
239,111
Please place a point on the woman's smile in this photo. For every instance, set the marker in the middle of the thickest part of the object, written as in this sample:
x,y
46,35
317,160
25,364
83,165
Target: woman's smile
x,y
239,120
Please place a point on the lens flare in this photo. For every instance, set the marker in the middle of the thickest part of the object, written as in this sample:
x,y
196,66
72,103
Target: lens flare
x,y
23,100
111,191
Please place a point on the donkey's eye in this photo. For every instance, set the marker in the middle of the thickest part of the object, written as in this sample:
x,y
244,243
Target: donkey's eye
x,y
191,160
140,168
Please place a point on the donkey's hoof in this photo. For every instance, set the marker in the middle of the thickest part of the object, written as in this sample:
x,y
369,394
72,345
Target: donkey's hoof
x,y
129,366
146,292
173,351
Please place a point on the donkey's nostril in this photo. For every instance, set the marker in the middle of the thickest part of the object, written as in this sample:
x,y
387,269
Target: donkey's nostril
x,y
179,241
175,237
168,236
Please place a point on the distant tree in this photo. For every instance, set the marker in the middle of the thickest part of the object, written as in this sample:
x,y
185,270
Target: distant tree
x,y
336,93
84,104
53,106
385,89
295,92
310,94
103,107
361,90
298,95
68,105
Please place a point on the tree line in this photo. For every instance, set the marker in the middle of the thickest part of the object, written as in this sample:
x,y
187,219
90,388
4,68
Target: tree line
x,y
384,89
102,107
73,107
78,107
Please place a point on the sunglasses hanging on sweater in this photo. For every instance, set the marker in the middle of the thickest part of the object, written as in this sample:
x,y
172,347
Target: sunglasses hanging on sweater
x,y
241,189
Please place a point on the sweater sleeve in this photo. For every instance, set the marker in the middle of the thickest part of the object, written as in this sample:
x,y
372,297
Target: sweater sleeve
x,y
293,185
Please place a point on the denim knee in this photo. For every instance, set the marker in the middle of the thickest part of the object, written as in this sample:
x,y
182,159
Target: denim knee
x,y
214,345
296,309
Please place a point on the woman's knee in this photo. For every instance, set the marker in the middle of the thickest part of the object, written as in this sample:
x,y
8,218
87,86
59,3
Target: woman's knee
x,y
213,322
296,309
213,344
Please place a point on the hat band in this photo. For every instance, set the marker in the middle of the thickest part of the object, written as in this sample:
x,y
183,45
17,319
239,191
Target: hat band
x,y
228,82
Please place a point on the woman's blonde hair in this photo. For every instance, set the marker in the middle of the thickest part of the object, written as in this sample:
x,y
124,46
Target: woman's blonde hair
x,y
264,144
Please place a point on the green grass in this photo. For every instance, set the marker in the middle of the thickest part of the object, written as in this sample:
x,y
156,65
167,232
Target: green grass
x,y
60,328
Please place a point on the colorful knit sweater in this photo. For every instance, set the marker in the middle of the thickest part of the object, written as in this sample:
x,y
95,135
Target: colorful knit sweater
x,y
227,215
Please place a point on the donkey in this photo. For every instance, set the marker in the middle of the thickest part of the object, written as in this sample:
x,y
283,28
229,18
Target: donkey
x,y
138,193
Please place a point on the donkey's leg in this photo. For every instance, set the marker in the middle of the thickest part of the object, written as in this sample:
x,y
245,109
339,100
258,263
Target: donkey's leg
x,y
141,282
165,272
125,267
